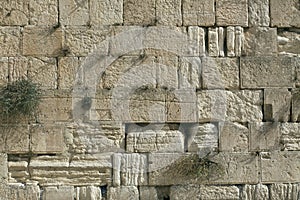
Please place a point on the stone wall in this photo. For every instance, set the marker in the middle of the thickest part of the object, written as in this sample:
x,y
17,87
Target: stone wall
x,y
153,99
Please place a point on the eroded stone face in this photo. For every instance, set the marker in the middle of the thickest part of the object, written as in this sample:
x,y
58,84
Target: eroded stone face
x,y
14,12
285,14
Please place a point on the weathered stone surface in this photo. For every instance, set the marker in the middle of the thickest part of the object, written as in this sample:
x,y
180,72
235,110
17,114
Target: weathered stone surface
x,y
277,103
284,191
67,70
180,192
14,12
264,136
257,73
42,41
234,137
10,38
3,168
232,12
18,171
280,167
58,193
230,41
129,169
196,37
221,41
88,193
123,193
20,191
259,13
74,12
285,14
239,31
43,12
139,12
168,12
237,106
213,42
180,111
260,41
258,192
3,70
220,73
17,68
201,13
289,41
189,73
290,137
296,105
219,192
167,72
148,193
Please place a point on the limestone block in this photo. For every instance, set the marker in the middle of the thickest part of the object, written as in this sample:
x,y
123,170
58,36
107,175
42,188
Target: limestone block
x,y
18,170
285,14
220,73
219,192
221,41
10,38
232,12
167,72
234,137
58,193
3,168
17,68
259,13
14,12
288,42
277,104
258,192
168,12
236,106
290,138
148,193
189,73
155,141
260,41
129,169
296,105
123,193
297,61
239,36
106,12
198,13
181,111
67,70
21,192
257,73
3,71
280,167
47,139
139,12
213,42
196,37
230,41
43,12
42,41
203,136
264,136
88,193
284,191
74,12
179,192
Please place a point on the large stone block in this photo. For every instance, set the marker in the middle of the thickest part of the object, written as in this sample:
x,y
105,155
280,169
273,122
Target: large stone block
x,y
296,105
123,193
198,13
58,193
3,168
232,12
67,72
17,68
148,193
168,12
14,12
18,170
258,192
280,167
74,12
43,13
259,13
42,41
285,14
219,192
190,72
288,41
10,39
180,192
266,72
139,12
19,191
290,137
3,70
213,42
88,193
284,191
167,71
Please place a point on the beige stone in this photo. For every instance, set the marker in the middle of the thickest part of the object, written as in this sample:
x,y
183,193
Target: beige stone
x,y
296,105
74,12
14,12
196,39
230,41
43,13
17,68
257,73
277,103
259,13
139,12
123,193
10,39
290,138
285,14
168,12
239,36
181,111
58,193
148,193
17,139
234,137
42,41
232,12
280,167
3,70
221,41
201,13
67,72
284,191
260,41
289,42
180,192
258,192
4,168
167,72
213,42
88,193
21,192
219,192
189,73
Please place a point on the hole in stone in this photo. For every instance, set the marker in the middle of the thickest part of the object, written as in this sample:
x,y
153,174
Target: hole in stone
x,y
103,191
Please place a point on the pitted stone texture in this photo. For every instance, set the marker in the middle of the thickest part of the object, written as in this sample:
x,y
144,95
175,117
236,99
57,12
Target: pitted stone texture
x,y
123,193
4,70
296,105
234,137
106,12
17,68
67,71
73,12
139,12
191,192
10,38
277,103
3,168
14,12
189,73
289,41
43,12
148,193
232,12
168,12
285,14
257,73
259,13
42,41
60,193
220,73
167,70
260,41
284,191
290,137
264,136
18,170
257,192
213,42
236,106
19,191
219,192
230,41
88,193
280,167
198,12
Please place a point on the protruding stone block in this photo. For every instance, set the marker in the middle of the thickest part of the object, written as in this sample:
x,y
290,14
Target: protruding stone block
x,y
60,193
88,193
238,40
44,12
259,13
123,192
74,13
213,42
14,12
296,105
189,72
290,137
168,12
10,39
230,36
221,41
285,14
258,191
139,12
284,191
